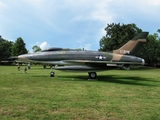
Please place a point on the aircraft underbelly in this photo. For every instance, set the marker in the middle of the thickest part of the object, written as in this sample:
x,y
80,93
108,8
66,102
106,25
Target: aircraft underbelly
x,y
83,68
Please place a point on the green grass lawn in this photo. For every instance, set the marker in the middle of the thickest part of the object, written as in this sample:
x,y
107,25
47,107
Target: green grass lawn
x,y
117,95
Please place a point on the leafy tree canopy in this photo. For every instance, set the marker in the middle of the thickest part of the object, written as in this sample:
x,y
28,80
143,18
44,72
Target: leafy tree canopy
x,y
150,51
36,48
5,48
117,35
19,47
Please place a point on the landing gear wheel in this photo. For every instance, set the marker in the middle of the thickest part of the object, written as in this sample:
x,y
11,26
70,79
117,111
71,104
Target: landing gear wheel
x,y
44,66
52,74
92,75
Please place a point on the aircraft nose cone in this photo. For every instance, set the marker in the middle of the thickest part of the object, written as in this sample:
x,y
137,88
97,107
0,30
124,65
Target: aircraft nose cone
x,y
22,58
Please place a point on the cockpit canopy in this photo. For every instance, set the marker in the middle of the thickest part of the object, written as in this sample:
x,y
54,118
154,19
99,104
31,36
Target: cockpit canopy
x,y
59,49
52,49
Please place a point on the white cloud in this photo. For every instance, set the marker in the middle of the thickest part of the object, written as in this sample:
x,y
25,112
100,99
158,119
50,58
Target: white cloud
x,y
1,6
100,33
81,40
87,46
101,12
152,2
44,45
138,7
91,10
79,22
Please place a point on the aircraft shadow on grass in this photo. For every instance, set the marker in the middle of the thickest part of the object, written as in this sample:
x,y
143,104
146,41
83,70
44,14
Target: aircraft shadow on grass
x,y
117,79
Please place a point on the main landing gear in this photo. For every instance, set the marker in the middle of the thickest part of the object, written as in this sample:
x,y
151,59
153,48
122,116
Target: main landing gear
x,y
92,75
52,74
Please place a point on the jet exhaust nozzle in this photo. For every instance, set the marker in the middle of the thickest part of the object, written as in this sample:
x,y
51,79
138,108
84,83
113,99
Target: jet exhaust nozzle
x,y
143,61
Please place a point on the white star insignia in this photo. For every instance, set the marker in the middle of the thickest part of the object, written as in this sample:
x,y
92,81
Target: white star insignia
x,y
100,57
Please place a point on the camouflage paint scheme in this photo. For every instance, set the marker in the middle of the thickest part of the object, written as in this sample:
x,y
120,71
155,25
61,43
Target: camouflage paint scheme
x,y
70,59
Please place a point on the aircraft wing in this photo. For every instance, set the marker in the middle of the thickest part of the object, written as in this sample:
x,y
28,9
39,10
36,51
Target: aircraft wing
x,y
102,62
94,65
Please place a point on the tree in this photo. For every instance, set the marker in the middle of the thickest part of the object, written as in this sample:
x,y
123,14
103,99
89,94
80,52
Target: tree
x,y
151,50
117,35
157,34
19,47
36,48
5,48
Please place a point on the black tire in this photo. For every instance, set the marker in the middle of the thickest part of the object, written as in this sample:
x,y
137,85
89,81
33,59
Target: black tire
x,y
44,66
52,74
92,75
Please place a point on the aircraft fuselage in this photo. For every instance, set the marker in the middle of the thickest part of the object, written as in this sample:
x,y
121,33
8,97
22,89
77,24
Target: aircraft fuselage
x,y
79,57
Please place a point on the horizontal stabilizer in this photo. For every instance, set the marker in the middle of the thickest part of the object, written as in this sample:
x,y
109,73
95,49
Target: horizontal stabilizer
x,y
142,35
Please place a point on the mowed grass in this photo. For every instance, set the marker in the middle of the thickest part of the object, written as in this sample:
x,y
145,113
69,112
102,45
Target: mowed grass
x,y
117,95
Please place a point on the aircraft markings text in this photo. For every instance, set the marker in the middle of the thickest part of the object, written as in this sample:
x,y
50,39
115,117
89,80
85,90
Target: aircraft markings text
x,y
124,51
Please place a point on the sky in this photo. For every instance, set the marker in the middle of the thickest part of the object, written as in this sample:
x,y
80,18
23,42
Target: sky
x,y
72,23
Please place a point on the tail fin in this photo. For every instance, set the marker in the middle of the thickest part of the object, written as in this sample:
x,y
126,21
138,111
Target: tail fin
x,y
132,46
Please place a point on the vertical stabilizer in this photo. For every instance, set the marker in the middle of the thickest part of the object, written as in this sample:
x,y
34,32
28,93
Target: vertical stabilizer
x,y
133,45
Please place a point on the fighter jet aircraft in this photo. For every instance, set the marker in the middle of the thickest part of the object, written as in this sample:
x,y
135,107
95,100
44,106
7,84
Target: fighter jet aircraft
x,y
90,61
